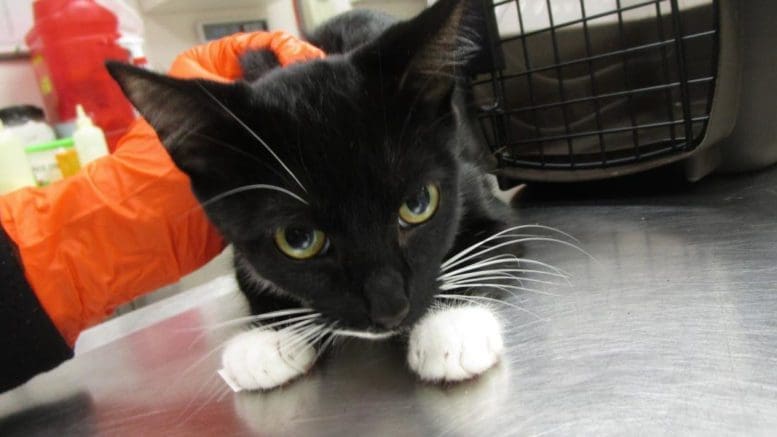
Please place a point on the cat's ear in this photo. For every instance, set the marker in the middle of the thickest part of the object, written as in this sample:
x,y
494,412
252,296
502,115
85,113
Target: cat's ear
x,y
175,107
425,55
182,111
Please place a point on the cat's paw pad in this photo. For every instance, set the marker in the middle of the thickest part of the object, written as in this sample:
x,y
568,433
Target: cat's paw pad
x,y
455,344
263,359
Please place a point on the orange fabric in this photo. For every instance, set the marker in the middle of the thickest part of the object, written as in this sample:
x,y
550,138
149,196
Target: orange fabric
x,y
219,61
127,223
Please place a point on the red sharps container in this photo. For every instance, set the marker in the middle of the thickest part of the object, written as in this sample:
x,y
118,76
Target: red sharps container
x,y
70,41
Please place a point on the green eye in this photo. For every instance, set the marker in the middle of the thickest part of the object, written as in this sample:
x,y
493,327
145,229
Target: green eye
x,y
420,207
300,243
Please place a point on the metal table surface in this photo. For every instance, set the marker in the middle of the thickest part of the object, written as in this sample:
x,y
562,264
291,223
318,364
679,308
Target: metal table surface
x,y
672,331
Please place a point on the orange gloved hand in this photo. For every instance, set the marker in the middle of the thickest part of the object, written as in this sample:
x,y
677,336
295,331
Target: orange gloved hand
x,y
128,223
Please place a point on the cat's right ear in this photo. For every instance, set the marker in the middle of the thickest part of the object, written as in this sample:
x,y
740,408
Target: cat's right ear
x,y
175,107
424,55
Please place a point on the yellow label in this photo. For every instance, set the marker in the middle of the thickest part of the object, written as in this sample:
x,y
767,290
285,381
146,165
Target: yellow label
x,y
45,85
68,163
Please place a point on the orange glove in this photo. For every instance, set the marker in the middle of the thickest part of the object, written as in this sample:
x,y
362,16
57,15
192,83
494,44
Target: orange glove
x,y
127,223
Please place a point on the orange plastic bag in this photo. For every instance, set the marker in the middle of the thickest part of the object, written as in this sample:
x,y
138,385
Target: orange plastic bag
x,y
128,223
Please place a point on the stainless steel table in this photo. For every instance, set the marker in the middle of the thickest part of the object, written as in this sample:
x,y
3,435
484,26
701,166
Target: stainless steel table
x,y
673,331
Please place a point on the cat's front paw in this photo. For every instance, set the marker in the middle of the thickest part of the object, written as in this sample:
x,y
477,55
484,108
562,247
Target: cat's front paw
x,y
455,344
262,359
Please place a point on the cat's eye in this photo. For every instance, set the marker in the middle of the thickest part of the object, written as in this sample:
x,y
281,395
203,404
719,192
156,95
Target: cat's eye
x,y
299,242
419,207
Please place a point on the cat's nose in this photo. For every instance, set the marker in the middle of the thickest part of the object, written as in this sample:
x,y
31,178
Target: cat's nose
x,y
385,292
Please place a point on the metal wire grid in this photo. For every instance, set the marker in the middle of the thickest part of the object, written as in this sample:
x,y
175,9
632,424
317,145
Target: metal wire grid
x,y
614,119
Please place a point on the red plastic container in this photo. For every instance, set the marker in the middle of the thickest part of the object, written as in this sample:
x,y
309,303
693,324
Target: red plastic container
x,y
69,42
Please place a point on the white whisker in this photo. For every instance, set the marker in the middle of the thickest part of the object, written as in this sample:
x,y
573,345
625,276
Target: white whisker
x,y
484,277
505,259
513,328
234,149
517,241
326,343
505,277
498,287
498,234
249,319
500,274
299,326
202,359
364,334
243,188
312,342
475,299
259,317
183,417
288,321
302,337
254,134
459,257
450,276
301,341
490,285
226,392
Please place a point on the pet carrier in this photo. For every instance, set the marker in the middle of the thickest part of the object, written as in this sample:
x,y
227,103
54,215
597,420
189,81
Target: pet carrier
x,y
576,90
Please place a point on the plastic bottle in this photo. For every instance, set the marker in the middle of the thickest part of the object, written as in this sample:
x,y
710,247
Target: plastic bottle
x,y
89,139
131,29
15,171
69,42
28,123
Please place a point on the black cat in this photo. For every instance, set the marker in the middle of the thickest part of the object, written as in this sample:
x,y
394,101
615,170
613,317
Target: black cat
x,y
351,191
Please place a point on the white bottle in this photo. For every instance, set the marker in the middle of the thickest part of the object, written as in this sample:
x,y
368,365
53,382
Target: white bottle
x,y
15,171
89,139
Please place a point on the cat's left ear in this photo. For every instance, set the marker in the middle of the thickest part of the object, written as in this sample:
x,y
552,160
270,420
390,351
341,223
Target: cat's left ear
x,y
179,109
174,107
425,55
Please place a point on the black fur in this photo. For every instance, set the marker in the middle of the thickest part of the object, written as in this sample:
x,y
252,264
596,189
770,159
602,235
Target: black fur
x,y
362,130
350,30
256,64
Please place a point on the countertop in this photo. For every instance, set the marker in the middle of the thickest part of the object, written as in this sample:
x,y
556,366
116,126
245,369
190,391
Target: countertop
x,y
671,329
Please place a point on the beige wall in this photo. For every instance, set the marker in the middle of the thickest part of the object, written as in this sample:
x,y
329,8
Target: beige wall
x,y
168,34
17,84
399,8
17,81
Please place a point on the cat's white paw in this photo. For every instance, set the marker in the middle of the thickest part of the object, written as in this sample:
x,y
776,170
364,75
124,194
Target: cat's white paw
x,y
258,359
455,344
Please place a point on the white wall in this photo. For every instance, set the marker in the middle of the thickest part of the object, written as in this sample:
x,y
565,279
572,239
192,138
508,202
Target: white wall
x,y
17,84
170,33
280,16
17,81
401,9
167,35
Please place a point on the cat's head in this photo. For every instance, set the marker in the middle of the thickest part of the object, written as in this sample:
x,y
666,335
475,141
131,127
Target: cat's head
x,y
336,180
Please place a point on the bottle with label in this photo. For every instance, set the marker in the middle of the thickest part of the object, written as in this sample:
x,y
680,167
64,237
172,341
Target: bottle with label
x,y
15,171
52,161
89,139
69,42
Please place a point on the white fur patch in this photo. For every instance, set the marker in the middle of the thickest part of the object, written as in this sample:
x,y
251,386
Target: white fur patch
x,y
258,359
455,344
